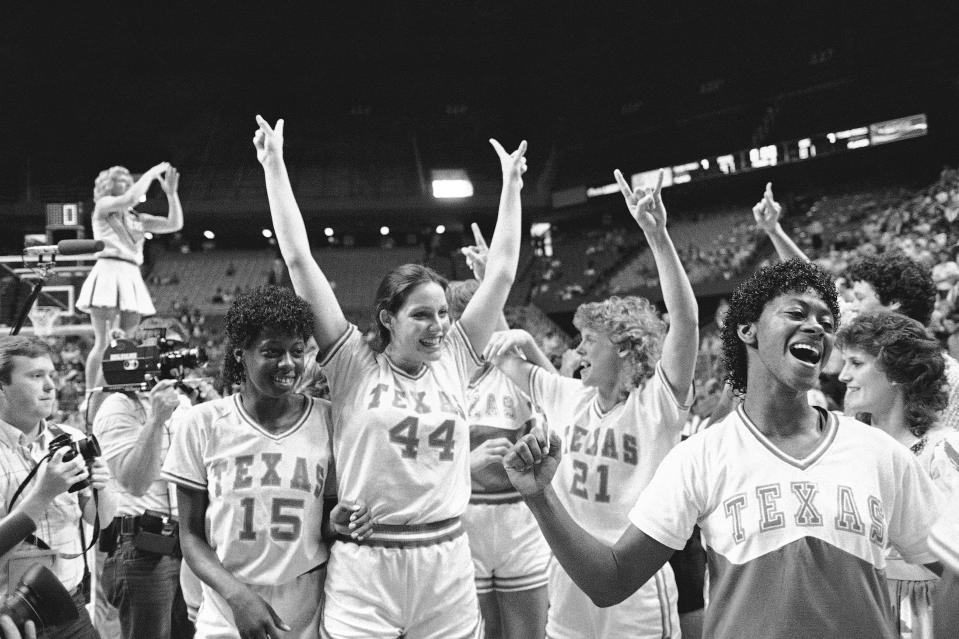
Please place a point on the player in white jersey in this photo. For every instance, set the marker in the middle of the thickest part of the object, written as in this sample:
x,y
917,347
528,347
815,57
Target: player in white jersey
x,y
617,423
510,556
114,287
796,505
251,470
400,437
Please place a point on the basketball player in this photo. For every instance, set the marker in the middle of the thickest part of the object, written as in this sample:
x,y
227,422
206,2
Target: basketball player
x,y
256,465
617,423
796,505
510,556
400,436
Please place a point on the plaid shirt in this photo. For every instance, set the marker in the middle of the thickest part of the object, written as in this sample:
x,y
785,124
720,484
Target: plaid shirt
x,y
59,526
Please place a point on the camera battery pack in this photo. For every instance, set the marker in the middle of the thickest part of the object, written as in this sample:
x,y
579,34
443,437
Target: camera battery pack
x,y
157,544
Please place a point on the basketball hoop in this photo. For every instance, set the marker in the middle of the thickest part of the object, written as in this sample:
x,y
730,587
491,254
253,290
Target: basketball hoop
x,y
43,318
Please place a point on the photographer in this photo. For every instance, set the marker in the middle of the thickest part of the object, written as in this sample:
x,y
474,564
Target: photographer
x,y
141,573
27,395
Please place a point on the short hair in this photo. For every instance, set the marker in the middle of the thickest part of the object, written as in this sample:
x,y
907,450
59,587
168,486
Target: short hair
x,y
750,298
458,295
270,306
898,278
392,292
103,185
631,323
907,355
23,346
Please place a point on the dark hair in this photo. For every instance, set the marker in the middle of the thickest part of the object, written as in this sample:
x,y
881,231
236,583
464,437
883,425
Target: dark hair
x,y
267,306
907,355
898,278
458,295
23,346
392,292
750,298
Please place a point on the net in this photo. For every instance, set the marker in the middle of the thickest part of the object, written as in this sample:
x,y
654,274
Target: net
x,y
43,318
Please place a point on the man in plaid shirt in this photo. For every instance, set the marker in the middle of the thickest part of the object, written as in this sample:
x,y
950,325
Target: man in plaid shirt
x,y
27,394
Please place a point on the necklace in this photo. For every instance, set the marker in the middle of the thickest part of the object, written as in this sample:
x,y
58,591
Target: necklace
x,y
919,445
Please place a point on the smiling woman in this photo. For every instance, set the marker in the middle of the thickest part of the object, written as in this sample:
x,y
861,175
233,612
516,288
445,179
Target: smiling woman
x,y
400,435
256,465
894,371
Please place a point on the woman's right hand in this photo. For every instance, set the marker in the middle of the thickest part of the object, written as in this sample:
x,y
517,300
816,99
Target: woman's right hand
x,y
268,141
254,617
506,344
157,171
531,463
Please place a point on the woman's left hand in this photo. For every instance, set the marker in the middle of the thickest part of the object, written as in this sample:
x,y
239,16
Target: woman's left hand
x,y
513,164
644,204
353,520
170,181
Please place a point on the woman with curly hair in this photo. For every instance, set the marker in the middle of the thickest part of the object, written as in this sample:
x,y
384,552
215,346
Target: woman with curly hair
x,y
257,466
796,505
894,371
617,423
115,286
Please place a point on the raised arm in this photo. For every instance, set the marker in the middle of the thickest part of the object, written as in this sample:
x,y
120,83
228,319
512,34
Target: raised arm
x,y
767,212
131,198
309,282
173,221
608,575
515,352
681,344
481,314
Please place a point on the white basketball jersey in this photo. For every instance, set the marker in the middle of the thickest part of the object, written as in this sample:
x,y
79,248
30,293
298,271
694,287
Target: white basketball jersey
x,y
497,409
608,457
792,543
401,441
266,491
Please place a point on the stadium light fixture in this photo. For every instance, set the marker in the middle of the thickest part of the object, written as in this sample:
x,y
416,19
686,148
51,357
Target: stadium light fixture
x,y
451,184
267,233
328,232
440,229
208,234
384,230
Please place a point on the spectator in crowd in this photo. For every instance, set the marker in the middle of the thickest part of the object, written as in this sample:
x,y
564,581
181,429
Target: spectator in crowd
x,y
894,371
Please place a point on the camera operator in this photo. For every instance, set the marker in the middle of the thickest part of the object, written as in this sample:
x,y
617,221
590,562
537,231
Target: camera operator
x,y
27,395
142,569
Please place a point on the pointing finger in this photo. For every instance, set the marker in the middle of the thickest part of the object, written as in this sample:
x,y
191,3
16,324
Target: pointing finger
x,y
500,151
769,191
478,236
521,150
279,127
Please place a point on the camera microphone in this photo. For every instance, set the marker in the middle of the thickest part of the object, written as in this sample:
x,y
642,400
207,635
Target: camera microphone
x,y
65,248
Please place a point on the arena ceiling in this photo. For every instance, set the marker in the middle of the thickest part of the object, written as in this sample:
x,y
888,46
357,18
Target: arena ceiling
x,y
586,82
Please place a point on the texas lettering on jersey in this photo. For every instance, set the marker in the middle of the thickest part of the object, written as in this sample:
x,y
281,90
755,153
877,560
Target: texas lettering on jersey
x,y
411,400
263,470
778,504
